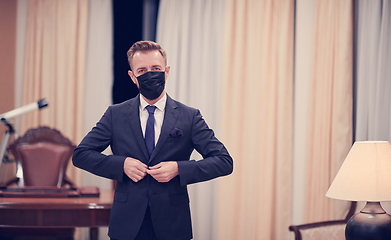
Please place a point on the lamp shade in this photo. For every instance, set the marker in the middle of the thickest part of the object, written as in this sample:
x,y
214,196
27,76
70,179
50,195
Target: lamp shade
x,y
365,175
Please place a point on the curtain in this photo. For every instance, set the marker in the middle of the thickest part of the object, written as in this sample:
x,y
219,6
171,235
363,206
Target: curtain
x,y
304,32
54,65
329,131
97,85
373,85
20,54
99,74
192,34
257,120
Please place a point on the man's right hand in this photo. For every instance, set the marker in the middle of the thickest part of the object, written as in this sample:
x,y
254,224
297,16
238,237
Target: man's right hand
x,y
135,169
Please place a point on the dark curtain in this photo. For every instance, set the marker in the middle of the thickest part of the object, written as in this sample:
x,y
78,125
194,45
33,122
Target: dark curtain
x,y
128,28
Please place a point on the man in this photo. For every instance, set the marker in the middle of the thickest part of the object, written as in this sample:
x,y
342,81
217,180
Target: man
x,y
152,137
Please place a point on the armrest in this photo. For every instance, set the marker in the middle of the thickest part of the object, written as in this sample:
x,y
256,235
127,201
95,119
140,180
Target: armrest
x,y
68,181
9,182
314,230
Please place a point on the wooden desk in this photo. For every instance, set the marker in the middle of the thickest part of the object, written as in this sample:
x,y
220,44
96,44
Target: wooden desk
x,y
89,212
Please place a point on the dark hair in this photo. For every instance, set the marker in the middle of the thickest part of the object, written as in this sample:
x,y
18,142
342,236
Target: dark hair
x,y
145,46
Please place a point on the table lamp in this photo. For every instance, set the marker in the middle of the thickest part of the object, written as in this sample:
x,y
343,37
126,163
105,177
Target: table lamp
x,y
365,175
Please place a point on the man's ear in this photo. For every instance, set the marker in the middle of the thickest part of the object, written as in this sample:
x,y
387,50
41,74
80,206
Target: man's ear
x,y
167,71
134,79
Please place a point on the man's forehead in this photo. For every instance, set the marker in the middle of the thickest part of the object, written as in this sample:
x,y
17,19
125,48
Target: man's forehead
x,y
148,58
147,53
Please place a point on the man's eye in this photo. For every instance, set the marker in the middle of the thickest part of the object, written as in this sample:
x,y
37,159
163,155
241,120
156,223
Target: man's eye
x,y
141,71
156,69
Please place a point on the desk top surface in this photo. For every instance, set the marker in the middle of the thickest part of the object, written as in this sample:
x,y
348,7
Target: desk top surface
x,y
103,202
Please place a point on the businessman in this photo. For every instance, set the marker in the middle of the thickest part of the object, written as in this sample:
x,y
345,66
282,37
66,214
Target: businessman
x,y
152,137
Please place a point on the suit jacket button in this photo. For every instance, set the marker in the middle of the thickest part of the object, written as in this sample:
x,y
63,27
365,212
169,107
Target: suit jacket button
x,y
145,195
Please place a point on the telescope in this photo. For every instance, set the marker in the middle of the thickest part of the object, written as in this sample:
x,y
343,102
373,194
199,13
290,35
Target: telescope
x,y
25,109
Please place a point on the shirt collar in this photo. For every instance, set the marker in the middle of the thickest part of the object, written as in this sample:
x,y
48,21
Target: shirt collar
x,y
161,104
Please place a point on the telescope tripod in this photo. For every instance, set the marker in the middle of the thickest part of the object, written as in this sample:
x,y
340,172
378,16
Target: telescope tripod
x,y
3,147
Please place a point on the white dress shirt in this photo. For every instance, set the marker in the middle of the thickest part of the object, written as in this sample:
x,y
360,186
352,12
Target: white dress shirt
x,y
159,115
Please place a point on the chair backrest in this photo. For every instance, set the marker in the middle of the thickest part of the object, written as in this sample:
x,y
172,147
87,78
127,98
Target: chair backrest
x,y
42,155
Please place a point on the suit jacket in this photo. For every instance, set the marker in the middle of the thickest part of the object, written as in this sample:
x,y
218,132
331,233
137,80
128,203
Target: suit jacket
x,y
183,130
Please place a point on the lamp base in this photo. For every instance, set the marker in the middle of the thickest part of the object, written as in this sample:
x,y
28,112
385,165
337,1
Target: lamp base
x,y
371,223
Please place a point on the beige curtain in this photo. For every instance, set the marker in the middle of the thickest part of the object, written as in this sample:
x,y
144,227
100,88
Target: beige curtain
x,y
54,66
254,202
330,107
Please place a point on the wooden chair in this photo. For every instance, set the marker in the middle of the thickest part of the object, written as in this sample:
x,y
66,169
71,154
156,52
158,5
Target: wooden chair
x,y
41,158
326,230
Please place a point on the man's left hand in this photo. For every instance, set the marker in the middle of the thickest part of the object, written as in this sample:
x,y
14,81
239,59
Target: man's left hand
x,y
164,171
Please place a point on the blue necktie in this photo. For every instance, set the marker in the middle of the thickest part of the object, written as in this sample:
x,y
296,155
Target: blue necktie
x,y
150,130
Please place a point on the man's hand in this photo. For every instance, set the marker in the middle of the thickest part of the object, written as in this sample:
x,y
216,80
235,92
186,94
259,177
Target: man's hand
x,y
164,171
135,169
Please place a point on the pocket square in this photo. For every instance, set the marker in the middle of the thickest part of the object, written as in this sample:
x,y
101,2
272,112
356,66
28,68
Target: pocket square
x,y
176,133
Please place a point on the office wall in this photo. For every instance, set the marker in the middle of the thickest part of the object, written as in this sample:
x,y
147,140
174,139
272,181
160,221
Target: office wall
x,y
7,54
7,67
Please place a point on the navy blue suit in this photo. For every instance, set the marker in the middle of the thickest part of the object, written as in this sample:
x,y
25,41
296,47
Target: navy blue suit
x,y
183,130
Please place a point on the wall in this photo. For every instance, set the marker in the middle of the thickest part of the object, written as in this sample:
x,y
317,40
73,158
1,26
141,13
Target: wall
x,y
7,70
7,54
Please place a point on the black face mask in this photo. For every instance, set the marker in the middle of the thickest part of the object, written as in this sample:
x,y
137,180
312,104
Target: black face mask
x,y
151,84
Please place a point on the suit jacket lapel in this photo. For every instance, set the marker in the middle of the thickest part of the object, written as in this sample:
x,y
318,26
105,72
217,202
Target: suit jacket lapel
x,y
170,118
135,125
